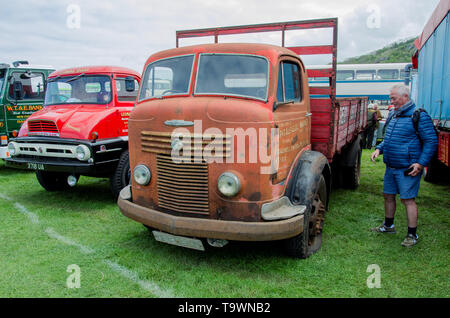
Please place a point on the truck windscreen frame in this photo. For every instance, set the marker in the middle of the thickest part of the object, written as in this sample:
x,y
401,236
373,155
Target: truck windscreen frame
x,y
89,89
2,80
172,78
230,74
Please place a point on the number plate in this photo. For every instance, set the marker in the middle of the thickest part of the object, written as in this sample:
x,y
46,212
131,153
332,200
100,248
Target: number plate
x,y
182,241
35,166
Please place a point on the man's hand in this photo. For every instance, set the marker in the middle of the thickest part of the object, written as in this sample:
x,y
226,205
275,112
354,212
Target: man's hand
x,y
417,168
374,155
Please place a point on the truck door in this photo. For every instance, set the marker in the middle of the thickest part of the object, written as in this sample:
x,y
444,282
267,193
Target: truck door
x,y
24,94
291,114
3,73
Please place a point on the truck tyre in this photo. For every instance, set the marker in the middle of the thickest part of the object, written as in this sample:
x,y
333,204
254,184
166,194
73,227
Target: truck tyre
x,y
53,181
310,240
351,176
121,177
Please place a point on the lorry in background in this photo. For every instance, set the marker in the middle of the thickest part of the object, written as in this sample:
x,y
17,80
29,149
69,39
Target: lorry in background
x,y
431,85
239,147
22,89
82,129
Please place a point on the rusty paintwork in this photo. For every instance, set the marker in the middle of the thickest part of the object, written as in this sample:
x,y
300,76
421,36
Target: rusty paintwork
x,y
298,125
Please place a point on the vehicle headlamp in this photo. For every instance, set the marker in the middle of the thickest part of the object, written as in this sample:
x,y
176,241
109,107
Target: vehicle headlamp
x,y
83,153
228,184
12,148
142,175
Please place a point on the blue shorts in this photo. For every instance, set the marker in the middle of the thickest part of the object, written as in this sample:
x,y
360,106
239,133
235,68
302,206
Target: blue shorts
x,y
395,182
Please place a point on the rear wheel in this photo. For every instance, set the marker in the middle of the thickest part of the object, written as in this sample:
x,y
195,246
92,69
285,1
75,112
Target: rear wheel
x,y
310,240
351,176
122,176
53,181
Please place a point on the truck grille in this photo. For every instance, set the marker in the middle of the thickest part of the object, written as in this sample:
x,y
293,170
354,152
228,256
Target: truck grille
x,y
182,187
219,146
42,126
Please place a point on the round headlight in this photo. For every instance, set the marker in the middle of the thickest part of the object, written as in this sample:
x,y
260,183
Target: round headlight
x,y
142,175
12,148
228,184
83,153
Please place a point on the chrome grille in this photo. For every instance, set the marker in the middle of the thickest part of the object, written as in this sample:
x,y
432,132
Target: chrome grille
x,y
182,187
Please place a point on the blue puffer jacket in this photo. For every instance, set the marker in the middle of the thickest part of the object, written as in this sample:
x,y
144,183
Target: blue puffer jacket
x,y
401,146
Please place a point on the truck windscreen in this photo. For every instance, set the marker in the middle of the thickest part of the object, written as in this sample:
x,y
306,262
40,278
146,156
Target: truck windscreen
x,y
167,77
2,80
231,74
79,89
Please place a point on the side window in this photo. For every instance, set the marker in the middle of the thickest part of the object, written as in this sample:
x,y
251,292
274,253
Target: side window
x,y
289,83
388,74
345,75
122,94
32,85
366,75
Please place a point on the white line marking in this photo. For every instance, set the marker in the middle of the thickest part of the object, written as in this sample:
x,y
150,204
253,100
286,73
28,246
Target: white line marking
x,y
123,271
53,234
149,286
33,217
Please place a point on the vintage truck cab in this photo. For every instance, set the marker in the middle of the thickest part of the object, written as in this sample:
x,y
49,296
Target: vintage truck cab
x,y
22,88
215,154
82,129
234,147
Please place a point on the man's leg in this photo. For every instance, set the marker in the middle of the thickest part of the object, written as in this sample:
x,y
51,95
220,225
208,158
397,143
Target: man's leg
x,y
411,212
389,205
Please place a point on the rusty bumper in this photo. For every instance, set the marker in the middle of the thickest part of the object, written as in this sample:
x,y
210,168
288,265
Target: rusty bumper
x,y
209,228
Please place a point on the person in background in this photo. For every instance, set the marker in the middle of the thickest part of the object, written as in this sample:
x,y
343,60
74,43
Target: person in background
x,y
371,125
406,151
377,125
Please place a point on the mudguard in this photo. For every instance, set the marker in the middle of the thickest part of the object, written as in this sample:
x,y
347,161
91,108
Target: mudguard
x,y
305,178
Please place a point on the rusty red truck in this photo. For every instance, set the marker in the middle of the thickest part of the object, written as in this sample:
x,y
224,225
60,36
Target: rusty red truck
x,y
82,129
229,142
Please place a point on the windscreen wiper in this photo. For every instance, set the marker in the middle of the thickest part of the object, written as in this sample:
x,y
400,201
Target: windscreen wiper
x,y
75,78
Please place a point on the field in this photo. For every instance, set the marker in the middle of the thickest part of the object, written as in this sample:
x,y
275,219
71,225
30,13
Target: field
x,y
42,233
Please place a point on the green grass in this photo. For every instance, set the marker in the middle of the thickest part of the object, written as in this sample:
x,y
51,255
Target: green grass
x,y
33,263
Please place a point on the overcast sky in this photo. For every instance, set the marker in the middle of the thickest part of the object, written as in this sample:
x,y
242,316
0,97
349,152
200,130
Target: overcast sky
x,y
126,32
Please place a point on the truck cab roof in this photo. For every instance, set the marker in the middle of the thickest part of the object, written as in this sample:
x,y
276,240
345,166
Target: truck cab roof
x,y
94,70
267,50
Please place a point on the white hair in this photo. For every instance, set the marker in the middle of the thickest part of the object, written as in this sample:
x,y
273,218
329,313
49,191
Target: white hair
x,y
401,89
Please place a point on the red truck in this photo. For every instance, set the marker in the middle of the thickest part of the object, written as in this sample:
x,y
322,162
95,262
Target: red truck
x,y
82,129
236,146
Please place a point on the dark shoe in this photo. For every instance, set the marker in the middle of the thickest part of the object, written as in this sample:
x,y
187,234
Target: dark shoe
x,y
410,240
384,229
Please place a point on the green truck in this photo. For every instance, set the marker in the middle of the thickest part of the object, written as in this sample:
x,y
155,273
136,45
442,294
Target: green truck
x,y
22,88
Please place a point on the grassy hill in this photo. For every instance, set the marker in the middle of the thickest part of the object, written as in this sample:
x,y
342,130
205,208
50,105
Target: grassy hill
x,y
398,52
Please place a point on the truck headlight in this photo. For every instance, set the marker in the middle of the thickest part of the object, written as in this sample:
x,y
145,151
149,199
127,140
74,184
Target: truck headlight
x,y
142,175
12,149
83,153
228,184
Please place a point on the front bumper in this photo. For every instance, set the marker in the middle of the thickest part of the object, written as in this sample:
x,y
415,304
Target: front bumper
x,y
209,228
103,162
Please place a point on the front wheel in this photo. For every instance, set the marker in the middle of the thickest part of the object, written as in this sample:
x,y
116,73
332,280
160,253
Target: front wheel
x,y
53,181
310,240
121,177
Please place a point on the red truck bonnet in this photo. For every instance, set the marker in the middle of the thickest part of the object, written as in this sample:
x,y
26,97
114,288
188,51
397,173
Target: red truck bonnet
x,y
79,121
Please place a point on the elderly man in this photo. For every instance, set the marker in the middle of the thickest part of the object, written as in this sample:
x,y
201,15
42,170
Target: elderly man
x,y
406,150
